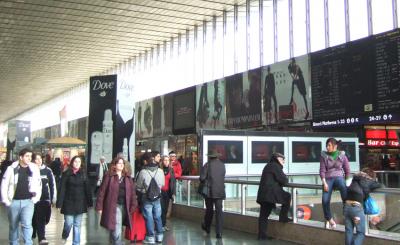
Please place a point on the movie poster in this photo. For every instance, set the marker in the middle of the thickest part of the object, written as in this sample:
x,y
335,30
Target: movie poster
x,y
210,106
230,151
144,111
261,151
243,96
306,151
157,116
286,91
184,106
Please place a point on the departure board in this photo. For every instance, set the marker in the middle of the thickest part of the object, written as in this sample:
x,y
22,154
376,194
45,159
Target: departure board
x,y
357,81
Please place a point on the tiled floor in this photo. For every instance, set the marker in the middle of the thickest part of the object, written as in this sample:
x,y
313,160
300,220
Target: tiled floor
x,y
181,232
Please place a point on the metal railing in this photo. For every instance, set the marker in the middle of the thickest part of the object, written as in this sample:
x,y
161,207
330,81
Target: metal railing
x,y
241,195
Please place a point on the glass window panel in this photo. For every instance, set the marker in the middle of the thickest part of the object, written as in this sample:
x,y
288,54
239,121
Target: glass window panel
x,y
268,32
283,30
382,16
241,40
229,45
208,59
254,35
219,50
299,27
337,25
317,25
358,19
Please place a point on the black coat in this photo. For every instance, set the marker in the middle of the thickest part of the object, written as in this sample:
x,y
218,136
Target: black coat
x,y
360,187
271,184
214,172
75,195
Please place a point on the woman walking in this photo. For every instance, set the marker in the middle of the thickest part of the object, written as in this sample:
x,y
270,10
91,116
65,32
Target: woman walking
x,y
334,167
116,200
42,213
74,198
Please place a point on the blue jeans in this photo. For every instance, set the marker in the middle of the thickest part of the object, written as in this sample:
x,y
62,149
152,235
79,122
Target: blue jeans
x,y
152,214
333,183
20,211
350,212
116,235
69,221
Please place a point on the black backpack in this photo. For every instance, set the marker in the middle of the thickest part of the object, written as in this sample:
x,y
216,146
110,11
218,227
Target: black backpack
x,y
153,191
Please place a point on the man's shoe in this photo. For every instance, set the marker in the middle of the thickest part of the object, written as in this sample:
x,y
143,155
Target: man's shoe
x,y
43,242
287,220
204,228
265,238
149,240
219,236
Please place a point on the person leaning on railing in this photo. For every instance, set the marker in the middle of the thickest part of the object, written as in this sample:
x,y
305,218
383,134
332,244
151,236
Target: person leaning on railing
x,y
361,186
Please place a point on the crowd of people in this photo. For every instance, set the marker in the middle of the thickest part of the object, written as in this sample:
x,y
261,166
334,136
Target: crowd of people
x,y
29,189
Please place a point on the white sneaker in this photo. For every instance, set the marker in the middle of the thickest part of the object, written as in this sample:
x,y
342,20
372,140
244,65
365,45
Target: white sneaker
x,y
149,240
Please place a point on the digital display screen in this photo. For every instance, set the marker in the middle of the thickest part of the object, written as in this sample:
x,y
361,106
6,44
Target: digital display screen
x,y
306,151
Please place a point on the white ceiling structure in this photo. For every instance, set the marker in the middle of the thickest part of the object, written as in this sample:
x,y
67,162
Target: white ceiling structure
x,y
50,46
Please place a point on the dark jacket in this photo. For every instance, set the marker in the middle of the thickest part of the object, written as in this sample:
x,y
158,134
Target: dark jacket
x,y
108,197
75,195
271,184
49,190
214,172
360,187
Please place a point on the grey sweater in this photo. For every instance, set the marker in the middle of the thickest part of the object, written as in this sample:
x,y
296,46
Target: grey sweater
x,y
145,175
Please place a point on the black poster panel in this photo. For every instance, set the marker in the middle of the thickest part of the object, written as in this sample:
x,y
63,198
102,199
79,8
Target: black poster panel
x,y
261,151
167,114
230,151
306,151
102,111
157,113
23,136
243,96
184,108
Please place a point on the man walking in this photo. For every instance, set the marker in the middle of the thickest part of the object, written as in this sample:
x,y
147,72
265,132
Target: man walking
x,y
213,174
20,190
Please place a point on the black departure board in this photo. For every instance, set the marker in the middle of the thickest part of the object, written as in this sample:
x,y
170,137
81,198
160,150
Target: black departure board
x,y
356,81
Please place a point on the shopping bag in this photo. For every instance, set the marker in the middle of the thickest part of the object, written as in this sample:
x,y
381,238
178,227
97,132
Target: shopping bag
x,y
203,189
370,206
138,230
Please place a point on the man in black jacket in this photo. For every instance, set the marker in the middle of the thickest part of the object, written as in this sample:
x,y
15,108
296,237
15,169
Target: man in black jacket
x,y
213,173
271,192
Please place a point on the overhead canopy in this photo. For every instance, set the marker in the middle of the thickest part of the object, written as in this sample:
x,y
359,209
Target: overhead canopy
x,y
65,141
50,46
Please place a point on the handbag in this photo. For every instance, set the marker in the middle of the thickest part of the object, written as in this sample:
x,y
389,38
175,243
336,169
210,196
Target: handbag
x,y
204,188
370,206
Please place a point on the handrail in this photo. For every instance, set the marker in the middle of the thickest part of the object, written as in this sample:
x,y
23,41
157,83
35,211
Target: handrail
x,y
291,185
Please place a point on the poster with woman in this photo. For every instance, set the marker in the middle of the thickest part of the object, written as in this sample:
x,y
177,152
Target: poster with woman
x,y
144,116
210,106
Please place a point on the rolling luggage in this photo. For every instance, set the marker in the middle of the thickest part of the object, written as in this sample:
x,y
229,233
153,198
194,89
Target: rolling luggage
x,y
138,231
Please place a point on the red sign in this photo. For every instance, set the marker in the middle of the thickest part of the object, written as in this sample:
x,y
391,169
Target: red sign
x,y
392,134
376,143
375,134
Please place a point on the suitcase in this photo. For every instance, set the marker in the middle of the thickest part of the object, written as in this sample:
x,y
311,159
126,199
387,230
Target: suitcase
x,y
138,231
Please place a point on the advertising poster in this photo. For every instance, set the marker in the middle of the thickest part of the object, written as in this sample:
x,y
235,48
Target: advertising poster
x,y
144,118
230,151
19,134
261,151
166,124
349,149
243,96
306,151
124,139
286,91
102,106
157,116
184,106
210,106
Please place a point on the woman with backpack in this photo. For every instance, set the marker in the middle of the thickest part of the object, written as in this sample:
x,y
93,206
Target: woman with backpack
x,y
167,190
116,200
74,198
148,184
